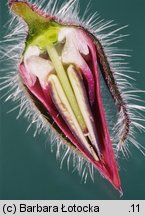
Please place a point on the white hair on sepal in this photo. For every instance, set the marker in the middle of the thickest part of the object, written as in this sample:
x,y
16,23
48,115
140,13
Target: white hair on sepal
x,y
11,48
18,94
24,103
121,72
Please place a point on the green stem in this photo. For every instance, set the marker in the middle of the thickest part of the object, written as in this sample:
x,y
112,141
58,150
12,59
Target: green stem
x,y
66,85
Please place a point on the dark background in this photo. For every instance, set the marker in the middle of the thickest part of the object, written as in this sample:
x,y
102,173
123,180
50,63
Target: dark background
x,y
27,168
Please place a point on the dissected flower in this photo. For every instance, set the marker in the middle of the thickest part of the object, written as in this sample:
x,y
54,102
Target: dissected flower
x,y
60,76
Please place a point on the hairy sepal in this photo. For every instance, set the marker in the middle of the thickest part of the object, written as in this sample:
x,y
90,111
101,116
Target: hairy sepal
x,y
105,135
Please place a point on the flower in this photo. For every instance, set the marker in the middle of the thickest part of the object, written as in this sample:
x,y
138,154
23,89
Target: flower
x,y
60,76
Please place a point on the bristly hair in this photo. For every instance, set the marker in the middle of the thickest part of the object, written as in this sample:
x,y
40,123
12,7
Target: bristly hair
x,y
130,106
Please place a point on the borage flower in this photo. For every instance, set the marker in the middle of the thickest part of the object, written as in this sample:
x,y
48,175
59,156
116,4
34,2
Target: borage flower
x,y
59,74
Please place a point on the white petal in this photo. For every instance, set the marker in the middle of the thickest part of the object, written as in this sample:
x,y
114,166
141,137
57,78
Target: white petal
x,y
75,45
40,67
